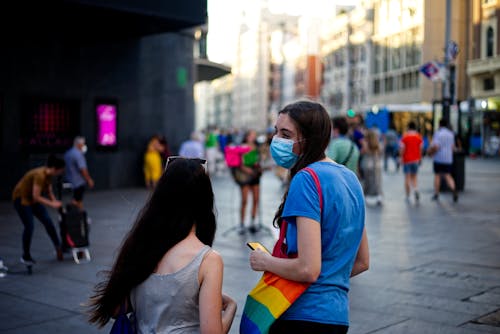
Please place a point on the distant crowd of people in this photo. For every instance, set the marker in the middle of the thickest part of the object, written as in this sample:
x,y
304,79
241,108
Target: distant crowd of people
x,y
368,151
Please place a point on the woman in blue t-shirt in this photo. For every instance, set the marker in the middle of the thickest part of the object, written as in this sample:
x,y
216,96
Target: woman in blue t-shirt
x,y
326,244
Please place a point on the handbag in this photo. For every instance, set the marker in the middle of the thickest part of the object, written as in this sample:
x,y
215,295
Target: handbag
x,y
241,177
273,294
123,324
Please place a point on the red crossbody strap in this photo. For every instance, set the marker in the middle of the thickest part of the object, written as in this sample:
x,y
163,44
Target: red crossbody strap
x,y
279,249
318,185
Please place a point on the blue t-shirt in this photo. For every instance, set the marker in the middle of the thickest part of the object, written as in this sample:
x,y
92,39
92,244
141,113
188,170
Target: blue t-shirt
x,y
75,161
342,222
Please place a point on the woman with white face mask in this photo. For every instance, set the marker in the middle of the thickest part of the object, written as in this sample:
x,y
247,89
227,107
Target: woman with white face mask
x,y
326,241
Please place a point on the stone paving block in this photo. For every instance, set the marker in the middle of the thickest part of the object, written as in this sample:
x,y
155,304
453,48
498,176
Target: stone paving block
x,y
428,314
74,324
19,312
363,321
421,327
481,328
487,297
449,305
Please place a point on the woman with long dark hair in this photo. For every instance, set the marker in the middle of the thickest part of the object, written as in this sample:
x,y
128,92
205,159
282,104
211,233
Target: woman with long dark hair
x,y
325,243
166,271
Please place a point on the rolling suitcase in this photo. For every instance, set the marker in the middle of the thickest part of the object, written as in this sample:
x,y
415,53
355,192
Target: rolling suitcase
x,y
75,232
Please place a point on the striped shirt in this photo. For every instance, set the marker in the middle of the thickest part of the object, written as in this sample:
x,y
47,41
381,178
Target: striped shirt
x,y
444,139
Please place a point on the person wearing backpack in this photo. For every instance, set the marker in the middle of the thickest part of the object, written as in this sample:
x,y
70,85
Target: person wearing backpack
x,y
341,149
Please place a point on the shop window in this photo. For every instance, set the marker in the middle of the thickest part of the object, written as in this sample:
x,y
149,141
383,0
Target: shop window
x,y
48,125
489,83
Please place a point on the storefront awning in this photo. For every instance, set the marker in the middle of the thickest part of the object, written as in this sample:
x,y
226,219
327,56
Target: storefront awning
x,y
207,70
409,107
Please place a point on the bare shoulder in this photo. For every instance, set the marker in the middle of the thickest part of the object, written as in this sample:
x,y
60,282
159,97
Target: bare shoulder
x,y
213,258
211,267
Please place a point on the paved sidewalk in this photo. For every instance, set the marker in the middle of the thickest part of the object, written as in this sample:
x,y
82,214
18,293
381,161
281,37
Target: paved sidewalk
x,y
435,267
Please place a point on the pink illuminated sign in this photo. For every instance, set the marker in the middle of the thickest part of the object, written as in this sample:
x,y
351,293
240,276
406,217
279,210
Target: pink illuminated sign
x,y
106,124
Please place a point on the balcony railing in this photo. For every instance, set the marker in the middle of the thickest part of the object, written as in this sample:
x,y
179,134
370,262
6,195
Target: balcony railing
x,y
485,65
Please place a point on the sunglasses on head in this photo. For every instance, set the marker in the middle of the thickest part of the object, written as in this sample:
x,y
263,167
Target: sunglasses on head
x,y
201,161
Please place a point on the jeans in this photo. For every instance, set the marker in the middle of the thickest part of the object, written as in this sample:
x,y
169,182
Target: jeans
x,y
26,213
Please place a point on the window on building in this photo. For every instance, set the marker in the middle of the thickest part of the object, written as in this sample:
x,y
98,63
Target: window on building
x,y
396,58
489,83
389,84
376,59
385,58
376,86
489,42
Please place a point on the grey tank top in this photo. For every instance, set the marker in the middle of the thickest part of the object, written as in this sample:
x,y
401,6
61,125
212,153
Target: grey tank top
x,y
169,303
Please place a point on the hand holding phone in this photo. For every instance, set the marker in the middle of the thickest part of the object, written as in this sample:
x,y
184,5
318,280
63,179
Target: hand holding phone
x,y
257,245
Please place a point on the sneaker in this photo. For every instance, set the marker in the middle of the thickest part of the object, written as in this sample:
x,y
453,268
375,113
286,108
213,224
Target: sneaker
x,y
27,260
417,196
455,196
435,197
241,230
253,229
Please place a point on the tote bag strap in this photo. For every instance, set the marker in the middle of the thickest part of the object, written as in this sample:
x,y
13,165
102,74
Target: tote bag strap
x,y
279,249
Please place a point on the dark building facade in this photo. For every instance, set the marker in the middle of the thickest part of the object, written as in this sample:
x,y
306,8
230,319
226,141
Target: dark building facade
x,y
115,72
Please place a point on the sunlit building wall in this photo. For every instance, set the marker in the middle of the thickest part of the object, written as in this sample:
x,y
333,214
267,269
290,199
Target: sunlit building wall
x,y
483,68
251,72
407,34
345,51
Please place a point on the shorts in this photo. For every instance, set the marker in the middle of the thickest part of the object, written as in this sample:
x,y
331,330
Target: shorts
x,y
78,193
410,168
440,168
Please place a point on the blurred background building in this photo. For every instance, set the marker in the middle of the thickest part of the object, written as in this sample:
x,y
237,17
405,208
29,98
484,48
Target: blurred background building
x,y
368,59
115,72
119,71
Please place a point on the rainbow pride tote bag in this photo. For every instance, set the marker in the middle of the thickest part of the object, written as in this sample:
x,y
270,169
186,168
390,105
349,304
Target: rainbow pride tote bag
x,y
273,294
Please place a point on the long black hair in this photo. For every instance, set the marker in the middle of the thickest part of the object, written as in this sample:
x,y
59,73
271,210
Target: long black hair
x,y
182,198
314,126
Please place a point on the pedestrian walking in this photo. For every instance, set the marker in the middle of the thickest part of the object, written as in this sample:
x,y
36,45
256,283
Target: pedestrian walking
x,y
442,148
166,271
77,173
251,166
371,166
341,148
326,243
193,147
411,145
153,162
391,149
30,196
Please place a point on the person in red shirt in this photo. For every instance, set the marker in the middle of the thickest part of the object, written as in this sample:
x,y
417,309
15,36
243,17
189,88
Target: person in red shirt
x,y
411,145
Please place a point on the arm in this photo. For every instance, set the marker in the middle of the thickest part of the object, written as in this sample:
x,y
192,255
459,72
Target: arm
x,y
307,266
37,197
87,177
402,149
216,311
362,261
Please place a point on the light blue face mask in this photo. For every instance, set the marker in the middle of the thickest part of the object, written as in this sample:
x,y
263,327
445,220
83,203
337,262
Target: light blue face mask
x,y
282,152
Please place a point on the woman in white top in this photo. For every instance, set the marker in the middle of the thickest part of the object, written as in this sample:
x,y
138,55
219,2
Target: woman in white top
x,y
166,271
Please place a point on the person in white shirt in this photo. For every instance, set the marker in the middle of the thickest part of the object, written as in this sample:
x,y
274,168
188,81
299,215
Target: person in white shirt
x,y
442,148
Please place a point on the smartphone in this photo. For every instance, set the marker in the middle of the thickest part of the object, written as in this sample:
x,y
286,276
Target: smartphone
x,y
257,245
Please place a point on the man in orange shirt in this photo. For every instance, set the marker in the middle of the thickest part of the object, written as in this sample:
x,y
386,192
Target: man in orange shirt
x,y
411,153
